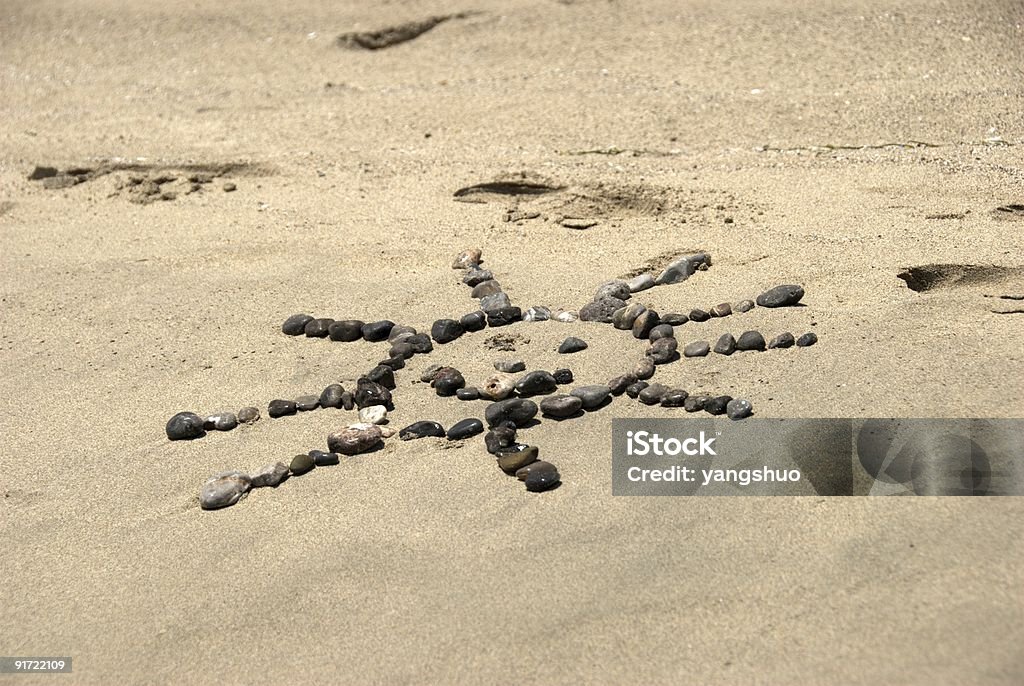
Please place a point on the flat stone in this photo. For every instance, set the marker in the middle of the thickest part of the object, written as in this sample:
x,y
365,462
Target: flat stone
x,y
807,339
295,325
697,315
695,403
397,362
726,345
475,277
318,328
355,439
653,394
786,295
421,429
485,288
618,385
374,414
516,457
561,406
469,393
537,313
539,476
473,321
663,350
331,396
281,408
613,289
562,376
305,403
517,410
536,383
322,459
601,310
644,323
567,316
572,345
467,258
697,349
301,464
739,409
661,331
270,476
743,306
371,393
750,340
683,268
717,405
446,330
377,331
222,421
640,283
624,317
224,490
510,366
346,331
674,398
185,426
721,310
644,368
504,316
498,387
465,429
248,415
592,396
494,302
633,390
674,319
783,340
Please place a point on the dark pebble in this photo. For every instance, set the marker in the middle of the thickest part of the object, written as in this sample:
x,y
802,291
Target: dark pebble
x,y
536,383
783,340
448,381
562,376
377,331
504,316
739,409
539,476
807,339
699,315
661,331
401,332
695,403
618,385
561,406
348,401
383,375
402,349
726,345
663,350
624,317
397,362
421,430
318,328
184,426
781,296
296,324
517,410
633,390
465,429
446,330
248,415
301,464
475,277
305,403
486,288
324,459
495,301
750,340
223,421
744,306
516,457
644,368
717,405
420,343
499,438
613,289
510,366
572,345
644,323
721,310
331,396
471,393
346,331
675,319
684,267
697,349
280,408
653,394
592,396
601,310
474,321
371,393
674,398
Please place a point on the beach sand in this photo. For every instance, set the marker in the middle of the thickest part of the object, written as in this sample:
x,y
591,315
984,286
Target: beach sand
x,y
844,141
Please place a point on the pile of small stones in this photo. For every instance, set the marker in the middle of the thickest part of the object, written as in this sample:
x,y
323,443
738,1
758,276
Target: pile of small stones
x,y
509,389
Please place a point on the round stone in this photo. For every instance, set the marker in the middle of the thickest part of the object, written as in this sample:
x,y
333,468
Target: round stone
x,y
383,375
613,289
783,340
726,345
477,276
305,403
618,385
624,317
674,319
470,393
272,475
699,315
674,398
498,387
739,408
486,288
633,390
446,330
318,328
537,313
185,426
562,376
717,405
572,345
371,393
640,283
374,414
302,464
473,321
465,429
495,301
561,406
536,383
348,401
516,410
468,258
402,349
400,332
222,421
592,396
510,366
653,394
807,339
663,350
697,349
224,490
743,306
695,403
322,459
448,381
420,343
295,325
248,415
377,331
750,340
421,429
504,316
644,368
539,476
661,331
781,296
644,323
601,310
721,310
500,438
331,396
280,408
355,439
515,457
346,331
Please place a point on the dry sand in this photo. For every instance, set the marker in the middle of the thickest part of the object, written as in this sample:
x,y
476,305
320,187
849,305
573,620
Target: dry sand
x,y
422,562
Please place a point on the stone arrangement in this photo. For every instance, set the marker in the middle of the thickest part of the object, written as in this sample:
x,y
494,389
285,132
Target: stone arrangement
x,y
510,389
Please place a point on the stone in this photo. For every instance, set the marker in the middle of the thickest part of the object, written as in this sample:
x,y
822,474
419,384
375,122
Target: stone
x,y
377,331
318,328
346,331
468,258
446,330
270,476
420,343
561,406
601,310
224,490
674,398
537,313
295,325
322,459
222,421
355,439
697,349
248,415
739,409
517,456
539,476
387,431
397,362
726,345
618,385
750,340
783,340
717,405
781,296
280,408
663,350
494,302
371,393
302,464
683,268
465,429
229,187
400,332
430,373
624,317
697,315
695,403
331,396
374,414
721,310
516,410
510,366
348,401
383,375
402,349
640,283
572,345
674,319
448,381
469,393
305,403
504,316
661,331
633,390
485,288
653,394
567,316
40,172
475,277
592,396
644,323
499,438
743,306
473,321
421,429
807,339
498,387
644,368
536,383
185,426
562,376
613,289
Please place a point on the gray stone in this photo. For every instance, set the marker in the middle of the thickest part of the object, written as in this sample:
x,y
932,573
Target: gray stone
x,y
400,333
572,345
346,331
354,439
640,283
470,393
644,368
517,410
653,394
592,396
567,316
561,406
618,385
222,421
539,476
536,383
465,429
537,313
296,324
807,339
318,328
674,398
185,426
305,403
473,321
624,317
697,349
504,316
721,310
422,429
485,288
301,464
475,277
663,350
272,475
781,296
322,459
331,396
510,366
743,306
750,340
613,289
698,315
280,408
696,403
783,340
446,330
683,268
248,415
430,373
739,409
661,331
562,376
634,389
726,345
224,490
717,405
674,319
601,310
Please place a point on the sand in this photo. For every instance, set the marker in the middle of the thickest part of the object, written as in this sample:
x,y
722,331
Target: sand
x,y
846,141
